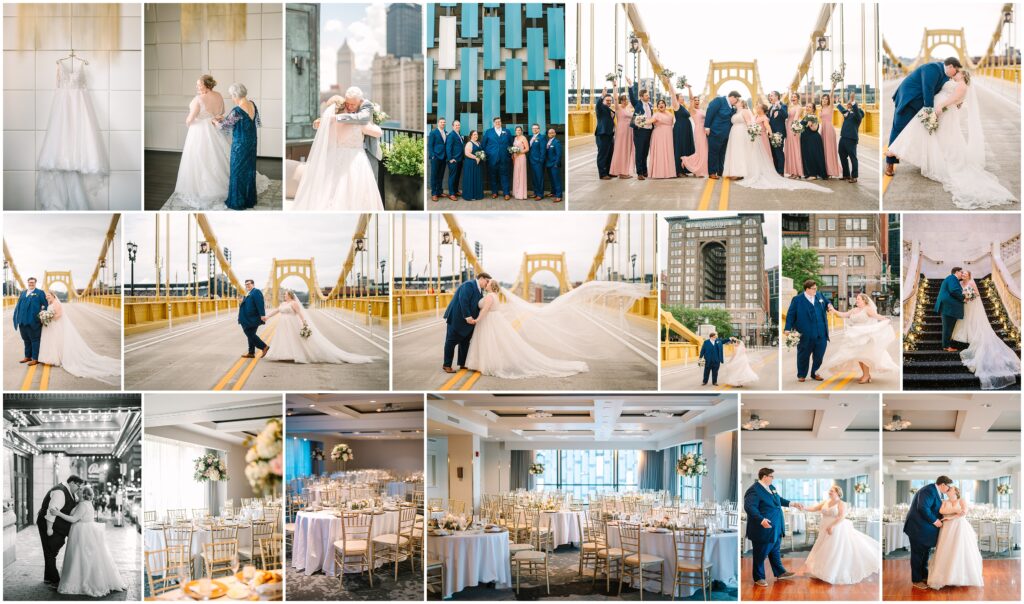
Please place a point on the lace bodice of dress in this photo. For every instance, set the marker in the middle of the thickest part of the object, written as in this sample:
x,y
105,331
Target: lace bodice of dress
x,y
88,512
68,77
489,295
348,135
948,89
859,317
286,309
950,509
208,112
737,119
830,512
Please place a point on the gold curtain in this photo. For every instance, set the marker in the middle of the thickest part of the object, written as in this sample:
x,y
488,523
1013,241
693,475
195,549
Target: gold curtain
x,y
84,26
220,21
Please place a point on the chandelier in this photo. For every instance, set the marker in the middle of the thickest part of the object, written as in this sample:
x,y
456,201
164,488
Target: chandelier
x,y
539,415
896,424
755,423
662,414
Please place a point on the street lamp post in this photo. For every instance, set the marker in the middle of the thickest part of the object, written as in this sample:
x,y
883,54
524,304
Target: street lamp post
x,y
227,256
632,261
380,285
195,272
133,249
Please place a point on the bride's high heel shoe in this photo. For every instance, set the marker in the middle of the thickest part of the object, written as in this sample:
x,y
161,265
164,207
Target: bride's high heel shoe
x,y
864,380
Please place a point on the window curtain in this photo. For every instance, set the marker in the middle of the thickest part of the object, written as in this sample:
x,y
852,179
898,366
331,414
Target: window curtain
x,y
670,482
903,491
650,470
734,471
172,484
519,471
983,491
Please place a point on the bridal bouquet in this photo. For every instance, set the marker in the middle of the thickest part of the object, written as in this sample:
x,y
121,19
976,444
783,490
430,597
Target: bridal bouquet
x,y
1004,489
754,131
514,150
640,121
811,119
792,339
481,155
264,459
700,362
305,332
317,454
379,116
861,488
46,317
536,468
342,452
775,138
797,127
691,465
210,467
970,294
929,119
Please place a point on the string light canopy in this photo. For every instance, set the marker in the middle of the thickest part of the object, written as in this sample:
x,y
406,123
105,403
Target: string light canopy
x,y
755,423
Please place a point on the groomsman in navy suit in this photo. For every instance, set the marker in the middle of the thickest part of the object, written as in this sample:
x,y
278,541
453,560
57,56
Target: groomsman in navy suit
x,y
496,142
641,101
552,160
604,134
714,355
766,526
536,156
849,136
436,147
808,316
26,320
455,150
922,525
777,116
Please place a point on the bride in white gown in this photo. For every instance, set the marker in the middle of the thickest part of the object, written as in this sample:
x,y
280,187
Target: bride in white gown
x,y
747,159
737,371
841,555
514,339
957,559
89,568
864,343
62,346
949,157
289,345
338,175
994,363
205,168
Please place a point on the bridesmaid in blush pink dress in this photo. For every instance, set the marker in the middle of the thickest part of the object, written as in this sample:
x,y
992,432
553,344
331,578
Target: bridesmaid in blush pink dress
x,y
623,164
660,160
698,162
828,136
794,163
761,117
519,167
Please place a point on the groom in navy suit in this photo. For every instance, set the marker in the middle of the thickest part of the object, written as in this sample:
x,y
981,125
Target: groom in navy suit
x,y
641,101
949,304
714,355
26,320
916,92
461,316
808,316
717,123
496,142
251,314
766,526
922,526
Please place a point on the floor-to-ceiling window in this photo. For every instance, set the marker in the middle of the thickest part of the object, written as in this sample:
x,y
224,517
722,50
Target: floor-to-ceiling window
x,y
690,487
966,488
580,471
176,487
808,491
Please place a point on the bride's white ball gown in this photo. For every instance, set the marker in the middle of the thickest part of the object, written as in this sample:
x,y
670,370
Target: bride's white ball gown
x,y
845,557
864,340
737,370
62,346
957,559
994,363
748,159
89,569
948,157
288,345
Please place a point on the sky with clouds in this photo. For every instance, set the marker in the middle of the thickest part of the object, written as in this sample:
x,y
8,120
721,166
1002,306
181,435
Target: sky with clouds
x,y
365,28
771,231
56,242
903,25
256,239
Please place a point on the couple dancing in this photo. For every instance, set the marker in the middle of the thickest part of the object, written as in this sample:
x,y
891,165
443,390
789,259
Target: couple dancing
x,y
294,339
964,319
502,335
68,516
341,172
934,522
737,372
863,344
58,343
952,150
841,554
218,170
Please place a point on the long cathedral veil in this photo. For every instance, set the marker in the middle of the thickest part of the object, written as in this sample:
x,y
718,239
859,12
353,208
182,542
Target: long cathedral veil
x,y
975,133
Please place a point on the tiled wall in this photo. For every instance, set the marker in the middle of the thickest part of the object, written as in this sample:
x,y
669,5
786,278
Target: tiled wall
x,y
174,64
113,82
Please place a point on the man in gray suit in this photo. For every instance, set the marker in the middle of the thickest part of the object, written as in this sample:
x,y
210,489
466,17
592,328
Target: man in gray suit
x,y
357,110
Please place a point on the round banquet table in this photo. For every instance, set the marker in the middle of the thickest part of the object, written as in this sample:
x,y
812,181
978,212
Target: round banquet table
x,y
345,492
720,551
563,526
796,521
471,558
895,538
315,534
153,539
988,529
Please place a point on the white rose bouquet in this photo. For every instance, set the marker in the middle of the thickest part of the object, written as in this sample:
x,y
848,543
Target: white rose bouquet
x,y
210,467
342,452
264,461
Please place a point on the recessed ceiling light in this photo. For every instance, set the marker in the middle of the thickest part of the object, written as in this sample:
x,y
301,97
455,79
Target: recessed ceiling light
x,y
986,405
312,405
833,427
975,427
844,404
373,401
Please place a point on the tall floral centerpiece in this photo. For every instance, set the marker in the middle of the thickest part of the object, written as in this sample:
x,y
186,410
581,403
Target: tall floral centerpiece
x,y
343,453
211,468
692,465
264,464
537,469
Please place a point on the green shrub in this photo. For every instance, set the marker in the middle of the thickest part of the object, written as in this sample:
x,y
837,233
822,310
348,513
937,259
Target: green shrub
x,y
404,156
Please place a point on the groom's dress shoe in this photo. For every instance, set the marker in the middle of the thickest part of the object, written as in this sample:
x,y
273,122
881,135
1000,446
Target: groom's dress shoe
x,y
452,197
433,198
785,575
248,356
761,583
889,171
508,197
921,585
33,362
714,177
801,379
25,360
495,196
818,378
266,351
448,370
641,177
853,181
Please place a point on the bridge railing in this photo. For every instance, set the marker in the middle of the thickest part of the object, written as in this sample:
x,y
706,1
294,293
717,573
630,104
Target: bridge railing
x,y
412,303
144,314
111,301
377,307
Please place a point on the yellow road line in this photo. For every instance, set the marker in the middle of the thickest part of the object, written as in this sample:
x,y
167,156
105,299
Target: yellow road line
x,y
723,197
826,384
240,382
224,381
845,381
44,381
454,379
705,198
26,384
472,380
886,179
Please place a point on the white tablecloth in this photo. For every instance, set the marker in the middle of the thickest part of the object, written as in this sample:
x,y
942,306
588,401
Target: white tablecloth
x,y
563,525
988,529
796,521
720,551
315,534
153,539
895,538
472,558
345,492
875,529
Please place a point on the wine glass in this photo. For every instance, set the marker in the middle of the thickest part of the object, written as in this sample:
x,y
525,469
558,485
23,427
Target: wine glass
x,y
249,576
235,563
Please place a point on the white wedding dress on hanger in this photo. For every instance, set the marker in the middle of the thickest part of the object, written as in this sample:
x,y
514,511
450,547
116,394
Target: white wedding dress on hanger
x,y
72,166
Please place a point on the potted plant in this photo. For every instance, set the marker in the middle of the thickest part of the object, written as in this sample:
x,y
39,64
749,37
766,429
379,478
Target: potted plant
x,y
403,176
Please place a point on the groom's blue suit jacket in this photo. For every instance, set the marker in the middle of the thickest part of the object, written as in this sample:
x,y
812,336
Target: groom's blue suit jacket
x,y
918,89
760,504
713,353
810,321
950,301
718,116
26,311
924,511
465,303
251,310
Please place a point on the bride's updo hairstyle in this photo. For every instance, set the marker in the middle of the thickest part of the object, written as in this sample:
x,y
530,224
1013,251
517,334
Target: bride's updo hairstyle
x,y
87,493
838,489
953,487
967,76
208,81
494,286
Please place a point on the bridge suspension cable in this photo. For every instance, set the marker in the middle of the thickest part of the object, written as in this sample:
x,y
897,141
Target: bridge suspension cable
x,y
14,269
107,240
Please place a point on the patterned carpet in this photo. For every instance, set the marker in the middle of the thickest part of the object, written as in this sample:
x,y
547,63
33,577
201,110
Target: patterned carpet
x,y
566,584
319,587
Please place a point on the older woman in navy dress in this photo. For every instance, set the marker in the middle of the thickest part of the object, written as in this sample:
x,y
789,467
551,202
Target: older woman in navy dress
x,y
243,121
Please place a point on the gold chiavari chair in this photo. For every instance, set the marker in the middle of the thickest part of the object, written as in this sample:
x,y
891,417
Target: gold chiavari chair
x,y
163,574
175,516
634,560
217,557
1004,537
261,529
588,545
220,532
355,547
200,513
541,535
518,531
457,507
690,568
435,574
607,556
396,547
435,502
178,541
985,541
149,516
270,552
